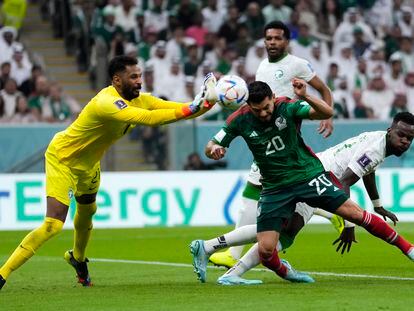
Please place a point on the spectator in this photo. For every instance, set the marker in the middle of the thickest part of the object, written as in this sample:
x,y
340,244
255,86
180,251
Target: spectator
x,y
148,79
176,45
205,67
238,68
277,10
194,163
318,60
28,86
405,22
59,107
225,62
409,86
333,75
20,69
184,12
395,78
157,18
359,45
4,73
346,60
254,20
243,42
189,89
392,40
342,100
360,79
161,65
22,114
125,16
306,10
9,96
375,57
406,47
301,46
378,97
360,110
254,57
399,104
344,32
294,25
8,36
212,17
146,45
192,60
229,29
175,90
37,100
197,31
329,17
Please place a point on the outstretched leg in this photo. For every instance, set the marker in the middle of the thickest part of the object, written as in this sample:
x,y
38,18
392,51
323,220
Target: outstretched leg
x,y
52,225
375,225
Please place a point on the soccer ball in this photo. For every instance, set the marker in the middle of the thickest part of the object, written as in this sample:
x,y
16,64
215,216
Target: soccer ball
x,y
231,91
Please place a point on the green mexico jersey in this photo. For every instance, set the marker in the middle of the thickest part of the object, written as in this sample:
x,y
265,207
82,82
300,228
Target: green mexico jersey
x,y
277,146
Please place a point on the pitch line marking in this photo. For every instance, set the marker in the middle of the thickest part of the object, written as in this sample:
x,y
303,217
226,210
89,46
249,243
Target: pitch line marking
x,y
184,265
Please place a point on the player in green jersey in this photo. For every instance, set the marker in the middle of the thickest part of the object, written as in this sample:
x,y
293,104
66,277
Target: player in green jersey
x,y
291,173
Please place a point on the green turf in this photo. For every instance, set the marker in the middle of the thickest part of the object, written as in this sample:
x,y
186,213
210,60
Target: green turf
x,y
48,283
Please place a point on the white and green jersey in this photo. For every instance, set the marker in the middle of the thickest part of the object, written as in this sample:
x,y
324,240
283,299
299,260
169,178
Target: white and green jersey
x,y
362,154
278,75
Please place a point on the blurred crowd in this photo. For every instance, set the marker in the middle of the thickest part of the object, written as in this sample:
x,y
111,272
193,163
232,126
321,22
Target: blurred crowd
x,y
362,49
26,94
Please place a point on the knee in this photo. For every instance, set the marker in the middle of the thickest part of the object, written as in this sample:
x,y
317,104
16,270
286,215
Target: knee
x,y
87,210
265,251
52,226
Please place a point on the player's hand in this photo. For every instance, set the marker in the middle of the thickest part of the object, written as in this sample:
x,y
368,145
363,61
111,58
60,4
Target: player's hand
x,y
299,87
384,213
217,152
326,128
345,240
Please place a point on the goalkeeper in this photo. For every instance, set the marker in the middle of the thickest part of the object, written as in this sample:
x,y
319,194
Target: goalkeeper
x,y
73,157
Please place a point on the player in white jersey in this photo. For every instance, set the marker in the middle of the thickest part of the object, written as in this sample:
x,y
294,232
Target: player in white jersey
x,y
355,158
277,71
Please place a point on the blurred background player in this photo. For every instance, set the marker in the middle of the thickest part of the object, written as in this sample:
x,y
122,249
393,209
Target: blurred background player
x,y
73,157
357,157
278,70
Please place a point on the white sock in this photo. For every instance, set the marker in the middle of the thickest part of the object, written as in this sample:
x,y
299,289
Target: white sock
x,y
239,236
247,216
322,213
250,260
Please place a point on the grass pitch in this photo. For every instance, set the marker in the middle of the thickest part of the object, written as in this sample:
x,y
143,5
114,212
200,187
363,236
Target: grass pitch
x,y
134,277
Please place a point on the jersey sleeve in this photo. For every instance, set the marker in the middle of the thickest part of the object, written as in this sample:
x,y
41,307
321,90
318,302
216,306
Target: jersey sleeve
x,y
304,70
113,108
150,102
226,135
364,161
298,109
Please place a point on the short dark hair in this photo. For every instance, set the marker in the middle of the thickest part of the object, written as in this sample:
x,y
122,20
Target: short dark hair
x,y
119,63
278,25
405,117
258,91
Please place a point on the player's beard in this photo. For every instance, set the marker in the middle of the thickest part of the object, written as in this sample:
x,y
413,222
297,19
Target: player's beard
x,y
129,93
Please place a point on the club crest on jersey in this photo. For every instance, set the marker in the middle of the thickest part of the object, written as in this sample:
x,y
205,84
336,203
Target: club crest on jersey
x,y
120,104
364,160
280,122
279,74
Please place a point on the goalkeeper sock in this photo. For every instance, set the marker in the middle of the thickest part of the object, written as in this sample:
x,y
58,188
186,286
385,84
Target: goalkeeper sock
x,y
83,227
239,236
30,244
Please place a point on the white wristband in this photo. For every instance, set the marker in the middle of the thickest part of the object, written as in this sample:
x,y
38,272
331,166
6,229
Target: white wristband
x,y
376,203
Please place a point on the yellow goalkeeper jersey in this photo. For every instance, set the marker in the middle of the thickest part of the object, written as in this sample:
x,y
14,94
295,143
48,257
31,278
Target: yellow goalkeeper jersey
x,y
103,120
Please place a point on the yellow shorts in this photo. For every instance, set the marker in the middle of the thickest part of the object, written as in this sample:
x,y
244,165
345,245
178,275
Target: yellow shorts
x,y
62,182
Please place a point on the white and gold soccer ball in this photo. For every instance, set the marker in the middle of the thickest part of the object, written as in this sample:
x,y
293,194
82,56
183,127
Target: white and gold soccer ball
x,y
231,91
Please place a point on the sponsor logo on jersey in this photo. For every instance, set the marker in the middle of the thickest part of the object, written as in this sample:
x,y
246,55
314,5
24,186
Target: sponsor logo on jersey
x,y
279,74
253,134
120,104
280,122
364,160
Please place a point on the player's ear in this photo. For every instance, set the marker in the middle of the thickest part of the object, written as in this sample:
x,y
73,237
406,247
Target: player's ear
x,y
116,80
